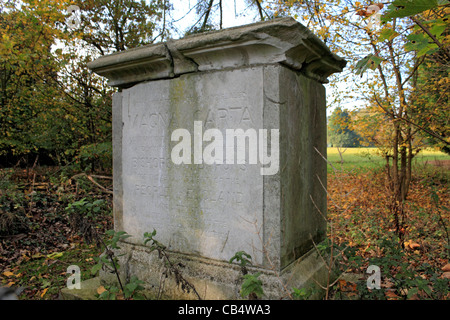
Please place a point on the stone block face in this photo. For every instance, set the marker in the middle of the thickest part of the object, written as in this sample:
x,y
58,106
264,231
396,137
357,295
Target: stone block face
x,y
196,208
302,131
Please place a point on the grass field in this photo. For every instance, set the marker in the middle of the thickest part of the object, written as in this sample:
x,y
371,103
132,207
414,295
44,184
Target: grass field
x,y
369,158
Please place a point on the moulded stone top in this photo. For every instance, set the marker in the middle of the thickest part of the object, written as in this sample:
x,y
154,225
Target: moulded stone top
x,y
284,41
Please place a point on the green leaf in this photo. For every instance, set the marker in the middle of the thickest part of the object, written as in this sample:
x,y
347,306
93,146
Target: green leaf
x,y
96,268
416,42
412,292
45,283
252,284
149,236
370,61
421,44
104,295
430,49
427,289
406,8
242,257
387,34
303,293
131,286
119,235
138,296
374,62
438,29
104,259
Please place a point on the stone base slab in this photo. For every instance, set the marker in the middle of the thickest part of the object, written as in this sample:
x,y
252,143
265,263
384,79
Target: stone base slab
x,y
87,291
215,280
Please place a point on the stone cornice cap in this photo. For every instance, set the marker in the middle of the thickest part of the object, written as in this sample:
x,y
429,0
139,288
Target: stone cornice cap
x,y
284,41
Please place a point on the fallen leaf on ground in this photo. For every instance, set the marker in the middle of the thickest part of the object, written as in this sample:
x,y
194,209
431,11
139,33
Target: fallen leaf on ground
x,y
37,256
387,284
414,245
45,283
101,289
44,292
8,273
390,294
446,268
411,245
54,255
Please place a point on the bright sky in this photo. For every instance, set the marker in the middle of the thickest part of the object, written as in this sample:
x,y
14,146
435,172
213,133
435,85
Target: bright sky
x,y
235,13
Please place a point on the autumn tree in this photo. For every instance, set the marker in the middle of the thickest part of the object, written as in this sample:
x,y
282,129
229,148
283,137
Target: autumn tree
x,y
373,127
340,129
104,27
52,105
431,83
395,59
117,25
431,103
387,45
30,106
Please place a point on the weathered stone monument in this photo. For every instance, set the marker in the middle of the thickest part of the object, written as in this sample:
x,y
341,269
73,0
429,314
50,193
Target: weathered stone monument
x,y
216,141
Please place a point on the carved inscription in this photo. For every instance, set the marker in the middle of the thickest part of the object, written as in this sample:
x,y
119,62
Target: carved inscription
x,y
200,209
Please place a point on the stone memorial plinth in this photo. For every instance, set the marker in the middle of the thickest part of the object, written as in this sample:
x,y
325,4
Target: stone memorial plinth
x,y
215,140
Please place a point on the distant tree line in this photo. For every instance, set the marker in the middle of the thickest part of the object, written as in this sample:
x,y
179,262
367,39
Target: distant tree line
x,y
340,130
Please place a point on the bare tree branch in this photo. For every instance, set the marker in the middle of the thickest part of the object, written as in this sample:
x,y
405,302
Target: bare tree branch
x,y
208,11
